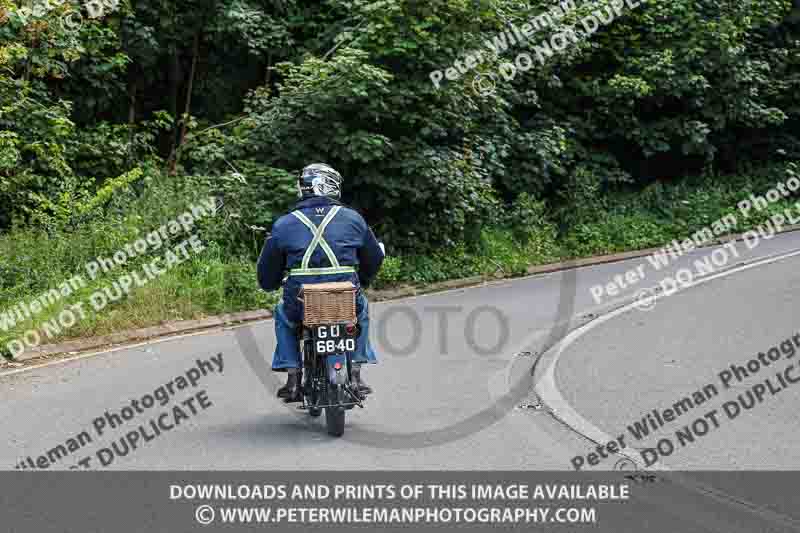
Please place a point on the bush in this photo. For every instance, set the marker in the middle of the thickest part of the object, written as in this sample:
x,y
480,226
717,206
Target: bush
x,y
390,273
660,213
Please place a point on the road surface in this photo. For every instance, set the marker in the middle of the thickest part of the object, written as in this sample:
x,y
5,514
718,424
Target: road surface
x,y
458,385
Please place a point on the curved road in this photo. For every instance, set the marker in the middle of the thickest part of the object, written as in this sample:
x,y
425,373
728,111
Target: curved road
x,y
455,389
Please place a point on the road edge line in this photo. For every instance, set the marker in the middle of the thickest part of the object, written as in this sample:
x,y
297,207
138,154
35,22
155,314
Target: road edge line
x,y
547,390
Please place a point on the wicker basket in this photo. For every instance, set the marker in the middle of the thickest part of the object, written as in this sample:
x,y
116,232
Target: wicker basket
x,y
329,303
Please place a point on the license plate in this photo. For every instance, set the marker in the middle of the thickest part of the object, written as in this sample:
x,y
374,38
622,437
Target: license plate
x,y
332,339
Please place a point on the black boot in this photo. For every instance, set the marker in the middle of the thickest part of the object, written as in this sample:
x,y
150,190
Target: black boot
x,y
291,391
361,385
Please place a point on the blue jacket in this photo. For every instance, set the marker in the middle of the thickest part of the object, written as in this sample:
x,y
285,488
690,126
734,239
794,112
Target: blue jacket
x,y
348,235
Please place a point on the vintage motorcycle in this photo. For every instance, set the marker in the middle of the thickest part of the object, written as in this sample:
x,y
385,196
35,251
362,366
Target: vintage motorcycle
x,y
327,339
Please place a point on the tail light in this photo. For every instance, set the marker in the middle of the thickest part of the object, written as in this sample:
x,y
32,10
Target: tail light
x,y
350,329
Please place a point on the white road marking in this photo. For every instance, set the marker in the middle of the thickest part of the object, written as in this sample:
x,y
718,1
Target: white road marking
x,y
547,389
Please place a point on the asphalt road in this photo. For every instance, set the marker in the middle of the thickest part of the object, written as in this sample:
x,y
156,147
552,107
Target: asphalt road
x,y
652,359
454,394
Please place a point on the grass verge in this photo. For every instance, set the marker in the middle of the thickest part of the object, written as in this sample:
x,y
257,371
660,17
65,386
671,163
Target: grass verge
x,y
211,283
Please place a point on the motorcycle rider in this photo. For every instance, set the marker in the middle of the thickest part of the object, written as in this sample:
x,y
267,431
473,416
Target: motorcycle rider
x,y
320,241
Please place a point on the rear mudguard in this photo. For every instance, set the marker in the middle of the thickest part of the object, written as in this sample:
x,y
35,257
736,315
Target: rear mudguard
x,y
337,376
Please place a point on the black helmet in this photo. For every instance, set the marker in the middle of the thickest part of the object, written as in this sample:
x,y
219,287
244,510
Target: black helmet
x,y
320,179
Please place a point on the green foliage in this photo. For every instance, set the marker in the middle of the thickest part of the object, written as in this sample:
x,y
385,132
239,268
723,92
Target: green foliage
x,y
658,214
391,272
616,233
210,282
238,88
652,126
500,253
75,203
247,212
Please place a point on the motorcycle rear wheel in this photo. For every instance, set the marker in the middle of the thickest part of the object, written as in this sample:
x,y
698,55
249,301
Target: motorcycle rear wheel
x,y
312,397
334,419
334,416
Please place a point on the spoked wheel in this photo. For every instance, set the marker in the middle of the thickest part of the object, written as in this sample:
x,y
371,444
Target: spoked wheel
x,y
334,416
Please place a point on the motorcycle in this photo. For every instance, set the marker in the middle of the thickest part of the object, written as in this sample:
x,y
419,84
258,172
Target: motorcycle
x,y
328,337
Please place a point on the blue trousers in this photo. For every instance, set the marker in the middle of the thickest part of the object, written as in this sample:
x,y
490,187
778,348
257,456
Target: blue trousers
x,y
287,350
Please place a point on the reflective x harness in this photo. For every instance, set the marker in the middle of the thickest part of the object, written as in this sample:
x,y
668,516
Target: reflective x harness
x,y
319,240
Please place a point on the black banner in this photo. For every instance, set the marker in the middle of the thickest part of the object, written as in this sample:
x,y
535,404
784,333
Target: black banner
x,y
570,502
